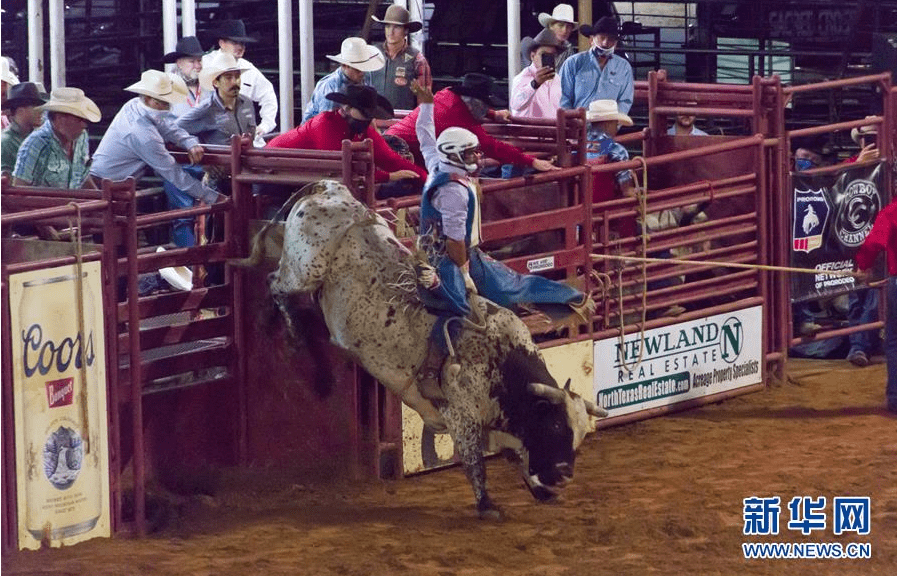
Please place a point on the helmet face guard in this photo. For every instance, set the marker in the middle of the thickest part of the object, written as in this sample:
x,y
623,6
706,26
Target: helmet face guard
x,y
455,146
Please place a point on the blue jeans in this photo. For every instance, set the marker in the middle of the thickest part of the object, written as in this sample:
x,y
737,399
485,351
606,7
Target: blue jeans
x,y
182,229
891,341
863,309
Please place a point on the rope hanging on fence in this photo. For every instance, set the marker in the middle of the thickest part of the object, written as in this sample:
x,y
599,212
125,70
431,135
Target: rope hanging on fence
x,y
75,237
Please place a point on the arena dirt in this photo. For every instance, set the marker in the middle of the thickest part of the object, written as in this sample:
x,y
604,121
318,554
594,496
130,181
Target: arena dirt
x,y
662,496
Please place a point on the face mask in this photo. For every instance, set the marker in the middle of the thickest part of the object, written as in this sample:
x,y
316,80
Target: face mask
x,y
153,114
802,164
605,52
478,108
357,126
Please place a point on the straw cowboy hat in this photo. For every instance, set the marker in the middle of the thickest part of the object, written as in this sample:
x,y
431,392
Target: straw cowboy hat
x,y
216,64
366,99
857,133
25,94
178,277
561,13
233,30
158,85
186,47
358,54
7,75
397,15
72,101
606,25
479,86
603,110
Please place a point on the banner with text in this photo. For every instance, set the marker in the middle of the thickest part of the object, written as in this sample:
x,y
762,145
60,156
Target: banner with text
x,y
679,362
831,216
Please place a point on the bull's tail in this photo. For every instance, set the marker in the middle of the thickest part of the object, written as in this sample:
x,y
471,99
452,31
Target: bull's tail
x,y
257,252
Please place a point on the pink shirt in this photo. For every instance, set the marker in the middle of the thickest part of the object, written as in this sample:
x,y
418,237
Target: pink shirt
x,y
529,103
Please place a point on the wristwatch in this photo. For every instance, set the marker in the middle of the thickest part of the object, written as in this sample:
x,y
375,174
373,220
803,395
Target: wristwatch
x,y
534,84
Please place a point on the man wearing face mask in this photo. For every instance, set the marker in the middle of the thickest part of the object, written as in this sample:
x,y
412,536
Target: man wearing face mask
x,y
357,60
187,56
352,120
137,135
467,106
598,74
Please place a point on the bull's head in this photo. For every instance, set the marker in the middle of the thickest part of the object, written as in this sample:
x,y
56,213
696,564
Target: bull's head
x,y
557,425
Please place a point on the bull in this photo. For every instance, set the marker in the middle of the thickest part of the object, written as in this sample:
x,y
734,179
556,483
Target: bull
x,y
498,395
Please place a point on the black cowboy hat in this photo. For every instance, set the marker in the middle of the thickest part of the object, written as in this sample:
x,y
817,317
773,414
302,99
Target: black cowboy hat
x,y
25,94
233,30
606,25
366,99
479,86
186,47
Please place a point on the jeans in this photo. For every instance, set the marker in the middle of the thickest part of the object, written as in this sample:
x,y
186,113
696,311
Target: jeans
x,y
863,309
891,341
182,229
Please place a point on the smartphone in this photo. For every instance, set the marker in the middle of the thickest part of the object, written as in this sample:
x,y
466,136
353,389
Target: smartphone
x,y
548,59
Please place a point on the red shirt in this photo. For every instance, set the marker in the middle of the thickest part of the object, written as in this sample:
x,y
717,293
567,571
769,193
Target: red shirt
x,y
883,236
327,130
449,110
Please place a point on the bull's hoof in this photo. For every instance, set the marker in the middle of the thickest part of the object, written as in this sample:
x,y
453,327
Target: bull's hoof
x,y
492,515
542,494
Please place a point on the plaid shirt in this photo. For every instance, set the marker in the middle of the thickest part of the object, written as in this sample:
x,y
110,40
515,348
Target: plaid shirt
x,y
42,161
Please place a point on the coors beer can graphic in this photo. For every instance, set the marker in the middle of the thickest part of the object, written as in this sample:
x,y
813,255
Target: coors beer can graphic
x,y
59,366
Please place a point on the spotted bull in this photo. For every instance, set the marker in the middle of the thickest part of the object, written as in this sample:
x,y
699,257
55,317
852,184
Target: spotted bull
x,y
503,395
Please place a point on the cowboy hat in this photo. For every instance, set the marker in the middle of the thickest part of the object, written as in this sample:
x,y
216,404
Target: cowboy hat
x,y
7,75
233,30
479,86
366,99
399,16
856,134
25,94
544,38
217,63
606,25
358,54
186,47
72,101
178,277
604,110
158,85
561,13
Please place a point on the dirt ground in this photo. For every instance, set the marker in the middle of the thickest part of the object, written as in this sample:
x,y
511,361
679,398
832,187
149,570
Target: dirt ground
x,y
663,496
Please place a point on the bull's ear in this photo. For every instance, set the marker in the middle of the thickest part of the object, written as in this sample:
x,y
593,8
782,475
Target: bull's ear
x,y
567,385
550,393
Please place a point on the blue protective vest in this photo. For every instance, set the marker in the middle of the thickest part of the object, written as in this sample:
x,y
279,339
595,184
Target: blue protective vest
x,y
431,218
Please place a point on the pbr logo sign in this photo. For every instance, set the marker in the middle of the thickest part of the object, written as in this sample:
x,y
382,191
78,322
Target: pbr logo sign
x,y
811,212
832,214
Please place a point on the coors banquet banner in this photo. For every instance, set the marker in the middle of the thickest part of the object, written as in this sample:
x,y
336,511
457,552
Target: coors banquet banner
x,y
831,216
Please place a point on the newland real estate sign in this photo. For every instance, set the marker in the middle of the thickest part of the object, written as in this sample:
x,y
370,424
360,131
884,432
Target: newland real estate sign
x,y
679,362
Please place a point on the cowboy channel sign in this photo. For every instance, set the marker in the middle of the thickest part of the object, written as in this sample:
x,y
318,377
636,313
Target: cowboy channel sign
x,y
668,365
831,215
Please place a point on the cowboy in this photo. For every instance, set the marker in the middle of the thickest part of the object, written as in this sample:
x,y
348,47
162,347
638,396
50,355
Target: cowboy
x,y
562,24
685,126
604,118
8,78
187,56
450,235
357,60
598,74
536,91
404,63
25,116
225,112
56,155
357,107
467,106
232,39
864,137
137,135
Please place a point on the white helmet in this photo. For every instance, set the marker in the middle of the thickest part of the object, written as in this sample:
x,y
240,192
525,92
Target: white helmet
x,y
453,143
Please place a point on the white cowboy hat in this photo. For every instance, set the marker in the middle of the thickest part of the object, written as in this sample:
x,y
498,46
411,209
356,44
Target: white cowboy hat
x,y
602,110
72,101
561,13
217,63
358,54
7,74
178,277
158,85
858,133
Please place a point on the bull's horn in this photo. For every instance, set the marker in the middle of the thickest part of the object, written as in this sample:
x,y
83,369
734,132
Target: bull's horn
x,y
550,393
594,409
567,385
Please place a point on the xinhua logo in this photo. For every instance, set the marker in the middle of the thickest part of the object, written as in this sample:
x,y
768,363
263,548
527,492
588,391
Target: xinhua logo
x,y
731,340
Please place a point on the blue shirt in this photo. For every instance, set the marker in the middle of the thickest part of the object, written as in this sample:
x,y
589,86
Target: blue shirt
x,y
336,81
136,139
600,144
694,131
583,80
212,123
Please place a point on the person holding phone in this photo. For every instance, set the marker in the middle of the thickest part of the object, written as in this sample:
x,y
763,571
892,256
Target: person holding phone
x,y
536,91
